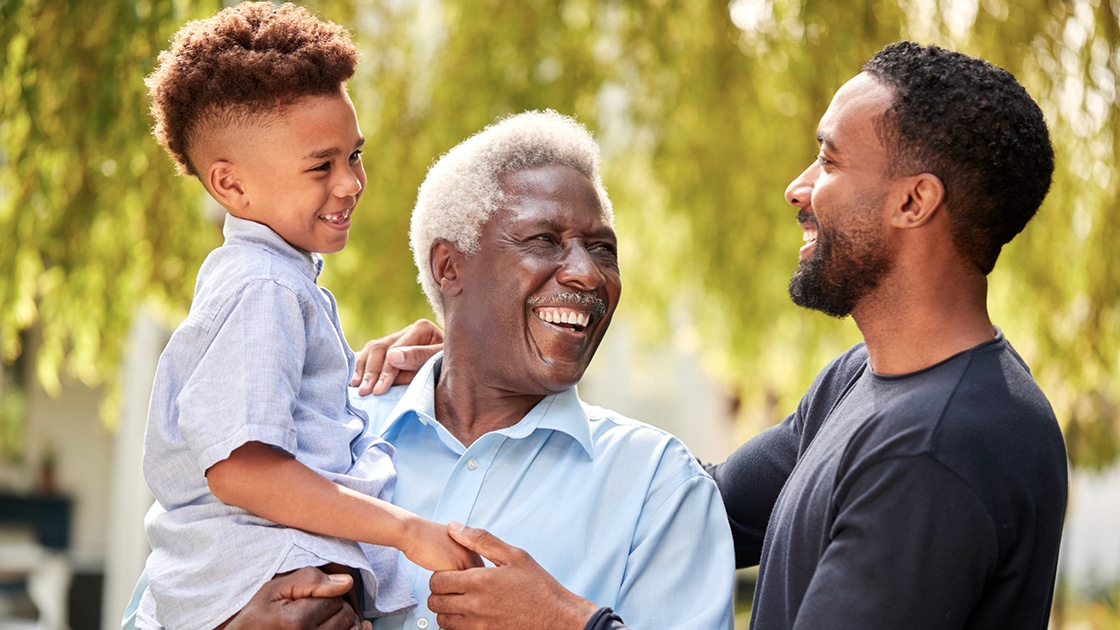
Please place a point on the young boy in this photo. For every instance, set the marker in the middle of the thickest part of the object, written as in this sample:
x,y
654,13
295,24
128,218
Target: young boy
x,y
258,463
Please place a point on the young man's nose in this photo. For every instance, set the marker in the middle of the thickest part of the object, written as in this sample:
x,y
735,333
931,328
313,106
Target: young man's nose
x,y
800,190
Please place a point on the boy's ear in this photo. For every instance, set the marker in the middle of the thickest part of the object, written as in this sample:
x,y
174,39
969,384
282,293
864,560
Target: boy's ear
x,y
925,193
225,184
445,260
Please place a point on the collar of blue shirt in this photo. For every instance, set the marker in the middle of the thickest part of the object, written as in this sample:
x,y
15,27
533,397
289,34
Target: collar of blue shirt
x,y
558,412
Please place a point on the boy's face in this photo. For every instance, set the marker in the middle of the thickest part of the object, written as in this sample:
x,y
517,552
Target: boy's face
x,y
303,173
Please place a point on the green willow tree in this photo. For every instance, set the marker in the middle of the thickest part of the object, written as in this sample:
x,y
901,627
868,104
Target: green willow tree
x,y
93,222
705,112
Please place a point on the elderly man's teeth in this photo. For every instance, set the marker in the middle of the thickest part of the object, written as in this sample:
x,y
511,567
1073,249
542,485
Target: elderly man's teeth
x,y
558,316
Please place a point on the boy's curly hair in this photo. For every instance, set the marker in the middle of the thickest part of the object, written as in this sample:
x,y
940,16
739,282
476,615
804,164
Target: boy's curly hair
x,y
244,62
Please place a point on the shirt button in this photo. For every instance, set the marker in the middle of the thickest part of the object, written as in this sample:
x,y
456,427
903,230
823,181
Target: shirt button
x,y
472,464
422,623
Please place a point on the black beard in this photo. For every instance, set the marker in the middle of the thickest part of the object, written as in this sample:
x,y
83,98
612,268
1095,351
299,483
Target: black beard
x,y
833,285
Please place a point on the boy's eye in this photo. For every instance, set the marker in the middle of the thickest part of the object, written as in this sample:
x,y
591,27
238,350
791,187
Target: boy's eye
x,y
325,166
355,156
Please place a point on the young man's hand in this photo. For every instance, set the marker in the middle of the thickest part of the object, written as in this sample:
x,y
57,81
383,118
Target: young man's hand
x,y
394,359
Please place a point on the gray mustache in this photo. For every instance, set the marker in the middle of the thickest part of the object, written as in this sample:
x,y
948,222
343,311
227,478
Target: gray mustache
x,y
598,306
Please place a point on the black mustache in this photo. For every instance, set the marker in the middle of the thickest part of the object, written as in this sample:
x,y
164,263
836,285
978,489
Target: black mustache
x,y
803,216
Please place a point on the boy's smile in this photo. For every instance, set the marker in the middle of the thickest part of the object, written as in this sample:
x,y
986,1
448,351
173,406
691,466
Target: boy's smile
x,y
302,173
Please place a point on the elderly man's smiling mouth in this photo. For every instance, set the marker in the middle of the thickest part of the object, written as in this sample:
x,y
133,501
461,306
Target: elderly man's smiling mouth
x,y
564,317
571,311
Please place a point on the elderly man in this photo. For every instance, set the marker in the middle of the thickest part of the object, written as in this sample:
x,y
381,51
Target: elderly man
x,y
512,235
921,482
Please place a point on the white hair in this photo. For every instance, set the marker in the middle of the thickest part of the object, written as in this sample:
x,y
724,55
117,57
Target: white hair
x,y
463,188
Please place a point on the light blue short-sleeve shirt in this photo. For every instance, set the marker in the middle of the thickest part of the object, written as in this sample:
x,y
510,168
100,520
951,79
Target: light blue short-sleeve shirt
x,y
619,512
260,358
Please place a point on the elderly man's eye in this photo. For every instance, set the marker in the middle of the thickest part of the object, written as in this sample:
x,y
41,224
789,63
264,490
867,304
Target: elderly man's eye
x,y
603,249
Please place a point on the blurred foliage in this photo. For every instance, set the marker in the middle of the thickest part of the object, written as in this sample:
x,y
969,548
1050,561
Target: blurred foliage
x,y
705,111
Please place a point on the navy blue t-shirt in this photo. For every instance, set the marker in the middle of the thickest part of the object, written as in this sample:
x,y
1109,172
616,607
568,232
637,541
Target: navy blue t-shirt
x,y
928,500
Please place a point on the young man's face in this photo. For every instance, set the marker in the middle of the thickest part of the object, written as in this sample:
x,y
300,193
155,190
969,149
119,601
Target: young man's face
x,y
540,291
841,201
304,175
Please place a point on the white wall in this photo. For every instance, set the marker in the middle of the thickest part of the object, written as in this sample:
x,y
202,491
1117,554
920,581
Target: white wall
x,y
69,424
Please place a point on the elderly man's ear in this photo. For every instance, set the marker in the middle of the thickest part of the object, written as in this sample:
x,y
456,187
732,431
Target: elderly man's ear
x,y
445,260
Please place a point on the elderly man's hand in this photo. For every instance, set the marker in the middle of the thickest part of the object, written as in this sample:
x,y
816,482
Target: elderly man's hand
x,y
515,593
301,600
394,359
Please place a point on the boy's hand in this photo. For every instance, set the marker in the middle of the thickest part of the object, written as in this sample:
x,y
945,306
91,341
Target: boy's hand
x,y
429,545
394,359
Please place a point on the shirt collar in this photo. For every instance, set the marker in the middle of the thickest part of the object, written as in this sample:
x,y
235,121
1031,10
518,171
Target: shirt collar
x,y
237,230
561,412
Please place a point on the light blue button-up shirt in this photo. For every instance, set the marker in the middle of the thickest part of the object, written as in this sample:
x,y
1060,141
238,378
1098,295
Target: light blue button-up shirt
x,y
616,510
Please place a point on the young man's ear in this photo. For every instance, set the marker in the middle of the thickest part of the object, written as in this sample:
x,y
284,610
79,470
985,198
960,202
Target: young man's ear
x,y
924,196
445,260
224,183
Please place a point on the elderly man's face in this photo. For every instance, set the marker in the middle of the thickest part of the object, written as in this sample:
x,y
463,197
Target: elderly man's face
x,y
540,292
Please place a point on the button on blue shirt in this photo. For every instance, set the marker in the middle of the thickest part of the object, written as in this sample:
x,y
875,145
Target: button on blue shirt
x,y
616,510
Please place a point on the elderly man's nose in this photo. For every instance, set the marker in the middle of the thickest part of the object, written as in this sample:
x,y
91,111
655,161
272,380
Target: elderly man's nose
x,y
579,269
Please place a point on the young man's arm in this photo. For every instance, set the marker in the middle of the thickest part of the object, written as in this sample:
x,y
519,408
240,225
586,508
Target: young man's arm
x,y
750,481
274,485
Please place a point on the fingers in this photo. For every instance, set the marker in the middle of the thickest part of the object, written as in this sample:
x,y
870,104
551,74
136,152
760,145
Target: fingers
x,y
307,598
369,361
311,582
484,544
394,359
343,619
422,332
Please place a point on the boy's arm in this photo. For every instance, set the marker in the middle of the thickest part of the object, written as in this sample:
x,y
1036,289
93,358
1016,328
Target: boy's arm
x,y
274,485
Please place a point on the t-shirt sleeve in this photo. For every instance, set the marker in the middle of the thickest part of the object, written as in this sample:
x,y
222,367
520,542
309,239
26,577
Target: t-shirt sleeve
x,y
248,378
753,476
909,548
750,481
